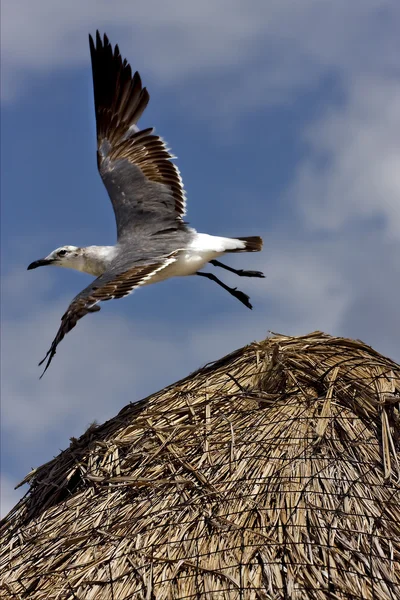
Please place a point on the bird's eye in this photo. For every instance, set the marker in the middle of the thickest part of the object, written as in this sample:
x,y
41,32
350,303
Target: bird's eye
x,y
62,253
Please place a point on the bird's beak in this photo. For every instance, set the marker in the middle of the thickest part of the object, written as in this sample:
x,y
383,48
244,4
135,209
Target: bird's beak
x,y
40,263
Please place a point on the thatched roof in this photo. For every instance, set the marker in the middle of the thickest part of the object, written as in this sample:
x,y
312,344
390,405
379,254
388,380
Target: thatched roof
x,y
272,473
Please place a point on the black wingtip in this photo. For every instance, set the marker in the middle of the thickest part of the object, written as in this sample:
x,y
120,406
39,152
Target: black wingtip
x,y
96,42
50,354
46,367
106,41
91,45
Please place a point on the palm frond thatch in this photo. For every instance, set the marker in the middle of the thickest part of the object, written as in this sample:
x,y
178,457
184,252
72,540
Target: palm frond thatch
x,y
272,473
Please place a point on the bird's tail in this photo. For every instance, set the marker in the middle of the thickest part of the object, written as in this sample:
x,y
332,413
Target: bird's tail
x,y
251,244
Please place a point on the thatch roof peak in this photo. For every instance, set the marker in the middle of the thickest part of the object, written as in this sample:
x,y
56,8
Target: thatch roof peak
x,y
271,473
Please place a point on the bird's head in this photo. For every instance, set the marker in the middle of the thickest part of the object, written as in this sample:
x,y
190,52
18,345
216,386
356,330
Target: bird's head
x,y
65,256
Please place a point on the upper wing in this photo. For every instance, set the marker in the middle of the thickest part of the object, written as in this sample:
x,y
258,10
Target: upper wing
x,y
105,287
145,187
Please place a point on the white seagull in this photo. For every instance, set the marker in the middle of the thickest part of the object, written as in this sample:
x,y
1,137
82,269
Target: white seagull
x,y
154,243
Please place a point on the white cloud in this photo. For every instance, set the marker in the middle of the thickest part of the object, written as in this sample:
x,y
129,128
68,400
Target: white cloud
x,y
307,287
352,171
261,51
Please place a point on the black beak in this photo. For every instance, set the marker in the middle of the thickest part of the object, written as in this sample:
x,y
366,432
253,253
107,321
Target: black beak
x,y
40,263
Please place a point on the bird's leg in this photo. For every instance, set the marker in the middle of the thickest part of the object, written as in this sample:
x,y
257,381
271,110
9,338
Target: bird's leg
x,y
239,272
244,298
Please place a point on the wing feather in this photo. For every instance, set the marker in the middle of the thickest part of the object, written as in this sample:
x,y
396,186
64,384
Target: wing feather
x,y
106,287
143,184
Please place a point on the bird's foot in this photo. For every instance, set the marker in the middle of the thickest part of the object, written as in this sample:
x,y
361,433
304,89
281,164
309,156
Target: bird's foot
x,y
243,273
244,298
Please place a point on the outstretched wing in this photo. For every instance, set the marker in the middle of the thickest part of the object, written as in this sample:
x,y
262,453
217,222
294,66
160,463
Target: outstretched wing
x,y
145,187
105,287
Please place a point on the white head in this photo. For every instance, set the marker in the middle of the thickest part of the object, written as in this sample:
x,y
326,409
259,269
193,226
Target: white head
x,y
65,256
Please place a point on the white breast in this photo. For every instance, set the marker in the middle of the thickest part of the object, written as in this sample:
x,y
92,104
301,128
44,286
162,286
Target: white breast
x,y
187,263
201,250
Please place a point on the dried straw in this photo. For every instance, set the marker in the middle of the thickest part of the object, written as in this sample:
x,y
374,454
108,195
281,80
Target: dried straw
x,y
272,473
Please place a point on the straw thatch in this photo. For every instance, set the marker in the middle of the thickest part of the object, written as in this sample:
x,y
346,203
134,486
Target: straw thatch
x,y
273,473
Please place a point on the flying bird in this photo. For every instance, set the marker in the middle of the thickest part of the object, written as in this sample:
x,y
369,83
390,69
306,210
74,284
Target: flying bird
x,y
154,243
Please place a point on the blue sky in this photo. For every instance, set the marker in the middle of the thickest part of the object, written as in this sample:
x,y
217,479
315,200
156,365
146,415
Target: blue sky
x,y
285,117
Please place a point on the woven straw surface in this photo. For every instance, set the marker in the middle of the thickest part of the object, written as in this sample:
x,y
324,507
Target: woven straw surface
x,y
272,473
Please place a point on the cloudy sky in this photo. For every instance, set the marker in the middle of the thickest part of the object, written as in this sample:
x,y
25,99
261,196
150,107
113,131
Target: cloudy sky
x,y
285,117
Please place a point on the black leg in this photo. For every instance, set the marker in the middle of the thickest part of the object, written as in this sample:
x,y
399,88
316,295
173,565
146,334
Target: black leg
x,y
244,298
239,272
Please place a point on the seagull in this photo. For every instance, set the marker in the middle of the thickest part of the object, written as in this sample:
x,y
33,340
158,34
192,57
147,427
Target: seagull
x,y
154,243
